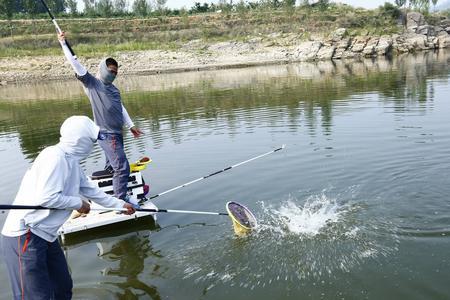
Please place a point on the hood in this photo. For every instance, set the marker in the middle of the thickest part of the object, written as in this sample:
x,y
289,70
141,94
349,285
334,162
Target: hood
x,y
104,74
78,136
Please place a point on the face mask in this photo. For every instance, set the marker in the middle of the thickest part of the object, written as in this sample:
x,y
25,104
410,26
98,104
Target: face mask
x,y
104,74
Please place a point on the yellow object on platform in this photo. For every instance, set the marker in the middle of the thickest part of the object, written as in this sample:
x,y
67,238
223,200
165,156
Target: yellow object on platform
x,y
140,164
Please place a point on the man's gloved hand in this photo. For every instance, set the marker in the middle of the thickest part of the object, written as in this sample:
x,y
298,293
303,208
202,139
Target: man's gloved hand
x,y
85,207
62,36
136,131
130,209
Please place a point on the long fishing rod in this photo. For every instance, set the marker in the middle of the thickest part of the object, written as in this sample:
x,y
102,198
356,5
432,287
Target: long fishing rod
x,y
156,210
217,172
58,29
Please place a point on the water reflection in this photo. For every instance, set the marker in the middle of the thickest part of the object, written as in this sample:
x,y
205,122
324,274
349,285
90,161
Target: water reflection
x,y
170,106
132,263
132,255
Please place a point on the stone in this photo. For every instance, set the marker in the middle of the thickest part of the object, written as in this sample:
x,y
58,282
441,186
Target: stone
x,y
344,43
444,42
255,40
438,30
307,50
384,45
350,54
359,44
326,52
414,19
369,50
427,30
417,42
338,34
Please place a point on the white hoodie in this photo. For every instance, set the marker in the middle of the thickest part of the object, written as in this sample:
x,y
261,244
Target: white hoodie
x,y
56,180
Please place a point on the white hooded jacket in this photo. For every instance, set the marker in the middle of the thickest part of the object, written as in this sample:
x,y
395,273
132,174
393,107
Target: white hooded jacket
x,y
56,180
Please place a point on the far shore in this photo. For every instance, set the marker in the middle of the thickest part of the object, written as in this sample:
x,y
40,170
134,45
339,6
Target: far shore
x,y
274,48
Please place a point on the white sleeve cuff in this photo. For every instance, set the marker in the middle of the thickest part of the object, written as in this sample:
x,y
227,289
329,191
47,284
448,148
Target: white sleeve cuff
x,y
126,118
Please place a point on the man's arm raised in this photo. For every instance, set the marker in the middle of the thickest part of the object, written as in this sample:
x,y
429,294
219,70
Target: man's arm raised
x,y
79,69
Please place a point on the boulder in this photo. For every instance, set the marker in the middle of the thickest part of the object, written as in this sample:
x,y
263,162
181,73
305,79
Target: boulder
x,y
344,43
359,44
348,54
326,53
369,50
414,19
341,47
427,30
384,45
338,34
399,44
438,31
307,50
417,42
443,42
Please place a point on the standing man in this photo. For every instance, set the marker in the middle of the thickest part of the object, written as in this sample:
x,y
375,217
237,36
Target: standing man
x,y
109,114
36,264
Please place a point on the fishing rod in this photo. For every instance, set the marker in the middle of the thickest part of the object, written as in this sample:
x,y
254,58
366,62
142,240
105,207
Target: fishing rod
x,y
156,210
243,219
58,29
217,172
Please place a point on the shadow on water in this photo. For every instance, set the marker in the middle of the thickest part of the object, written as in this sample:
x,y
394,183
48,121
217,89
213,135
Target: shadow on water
x,y
127,250
289,94
111,231
132,262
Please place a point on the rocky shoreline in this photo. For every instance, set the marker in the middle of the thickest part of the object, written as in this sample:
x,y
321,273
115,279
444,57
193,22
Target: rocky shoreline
x,y
276,48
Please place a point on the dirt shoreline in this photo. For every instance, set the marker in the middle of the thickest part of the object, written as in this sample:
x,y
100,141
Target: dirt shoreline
x,y
29,69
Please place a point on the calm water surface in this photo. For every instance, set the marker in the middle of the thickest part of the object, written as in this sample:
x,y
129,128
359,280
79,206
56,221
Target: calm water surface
x,y
356,206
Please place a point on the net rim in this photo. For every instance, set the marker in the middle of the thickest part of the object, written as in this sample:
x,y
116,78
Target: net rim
x,y
237,221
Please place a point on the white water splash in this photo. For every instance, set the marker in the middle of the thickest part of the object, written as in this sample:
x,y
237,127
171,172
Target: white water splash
x,y
303,239
318,213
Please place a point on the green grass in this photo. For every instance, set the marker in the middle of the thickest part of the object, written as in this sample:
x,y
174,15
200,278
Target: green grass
x,y
85,50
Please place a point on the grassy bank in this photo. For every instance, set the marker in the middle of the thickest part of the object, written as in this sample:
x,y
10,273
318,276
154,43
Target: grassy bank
x,y
98,36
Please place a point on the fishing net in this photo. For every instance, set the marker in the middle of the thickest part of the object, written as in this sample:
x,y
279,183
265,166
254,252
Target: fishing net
x,y
243,219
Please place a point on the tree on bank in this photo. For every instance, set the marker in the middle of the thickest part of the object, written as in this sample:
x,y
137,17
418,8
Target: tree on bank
x,y
104,8
107,8
421,5
56,6
120,7
71,7
89,8
160,6
8,7
321,4
141,8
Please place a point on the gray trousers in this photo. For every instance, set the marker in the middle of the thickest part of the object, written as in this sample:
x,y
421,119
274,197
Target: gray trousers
x,y
37,269
116,159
